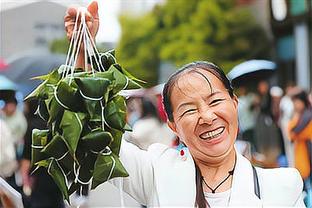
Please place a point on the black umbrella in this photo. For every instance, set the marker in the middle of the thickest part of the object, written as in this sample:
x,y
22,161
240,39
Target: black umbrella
x,y
25,67
251,72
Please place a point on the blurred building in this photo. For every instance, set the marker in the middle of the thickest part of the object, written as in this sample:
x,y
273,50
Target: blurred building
x,y
291,22
31,25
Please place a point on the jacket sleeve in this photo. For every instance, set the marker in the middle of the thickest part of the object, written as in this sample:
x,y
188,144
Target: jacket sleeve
x,y
297,187
299,202
140,184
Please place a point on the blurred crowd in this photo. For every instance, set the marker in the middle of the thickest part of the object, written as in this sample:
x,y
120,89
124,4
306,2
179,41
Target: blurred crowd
x,y
275,131
277,123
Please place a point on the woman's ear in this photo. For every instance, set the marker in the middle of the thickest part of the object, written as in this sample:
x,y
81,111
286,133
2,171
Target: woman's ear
x,y
235,100
172,126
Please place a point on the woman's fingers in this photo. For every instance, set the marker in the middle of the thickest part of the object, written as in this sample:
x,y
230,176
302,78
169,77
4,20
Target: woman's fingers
x,y
92,19
69,21
93,22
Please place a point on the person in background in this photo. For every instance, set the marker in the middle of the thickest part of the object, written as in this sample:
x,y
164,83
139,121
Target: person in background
x,y
267,134
276,94
134,110
8,163
13,117
286,112
300,133
149,129
16,122
40,187
246,115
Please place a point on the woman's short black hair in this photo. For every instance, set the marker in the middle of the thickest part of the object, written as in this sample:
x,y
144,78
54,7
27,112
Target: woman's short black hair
x,y
193,67
303,96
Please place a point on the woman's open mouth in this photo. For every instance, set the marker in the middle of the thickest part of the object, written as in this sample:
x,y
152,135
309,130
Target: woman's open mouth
x,y
212,134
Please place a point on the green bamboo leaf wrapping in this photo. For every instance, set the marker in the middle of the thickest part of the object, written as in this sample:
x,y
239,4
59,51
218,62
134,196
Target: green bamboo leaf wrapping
x,y
73,188
107,167
56,147
75,123
97,140
39,141
42,110
38,91
112,52
107,75
115,113
52,78
43,163
127,127
120,80
45,87
94,110
72,124
87,86
107,60
58,176
115,145
55,109
125,72
66,96
87,167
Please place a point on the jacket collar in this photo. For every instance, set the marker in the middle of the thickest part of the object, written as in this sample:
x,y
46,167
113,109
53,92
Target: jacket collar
x,y
175,180
176,183
242,193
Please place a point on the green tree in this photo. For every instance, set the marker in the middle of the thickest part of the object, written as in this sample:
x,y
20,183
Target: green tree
x,y
182,31
59,45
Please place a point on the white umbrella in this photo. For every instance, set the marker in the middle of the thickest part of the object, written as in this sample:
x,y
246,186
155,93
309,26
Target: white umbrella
x,y
251,70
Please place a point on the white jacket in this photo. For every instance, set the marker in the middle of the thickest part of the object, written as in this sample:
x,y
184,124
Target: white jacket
x,y
159,177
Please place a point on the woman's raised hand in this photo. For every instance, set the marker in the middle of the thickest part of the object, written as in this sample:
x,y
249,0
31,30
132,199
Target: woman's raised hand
x,y
92,19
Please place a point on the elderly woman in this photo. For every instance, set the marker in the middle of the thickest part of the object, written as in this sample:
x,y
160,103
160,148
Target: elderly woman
x,y
202,112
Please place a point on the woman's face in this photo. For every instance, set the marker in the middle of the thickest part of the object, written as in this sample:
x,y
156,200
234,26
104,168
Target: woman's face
x,y
298,105
205,119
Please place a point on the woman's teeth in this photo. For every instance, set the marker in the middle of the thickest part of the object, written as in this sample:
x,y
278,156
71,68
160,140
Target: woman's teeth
x,y
212,134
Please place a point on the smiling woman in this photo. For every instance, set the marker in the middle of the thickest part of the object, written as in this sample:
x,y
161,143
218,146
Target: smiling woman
x,y
202,112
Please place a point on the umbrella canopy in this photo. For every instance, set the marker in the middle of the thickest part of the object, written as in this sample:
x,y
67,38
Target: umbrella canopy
x,y
6,84
25,67
251,71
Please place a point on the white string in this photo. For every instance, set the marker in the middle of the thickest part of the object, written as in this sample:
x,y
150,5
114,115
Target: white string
x,y
75,45
80,124
127,83
37,146
63,156
70,45
77,34
38,112
93,48
62,171
58,100
122,202
90,98
112,57
112,169
102,115
83,24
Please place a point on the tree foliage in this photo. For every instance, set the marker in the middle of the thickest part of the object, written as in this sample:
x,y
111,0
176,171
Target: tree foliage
x,y
184,31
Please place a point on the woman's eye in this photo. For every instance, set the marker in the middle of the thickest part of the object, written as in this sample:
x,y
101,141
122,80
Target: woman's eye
x,y
216,101
188,111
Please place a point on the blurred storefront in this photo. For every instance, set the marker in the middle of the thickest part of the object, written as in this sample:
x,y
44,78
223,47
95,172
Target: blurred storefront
x,y
291,23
